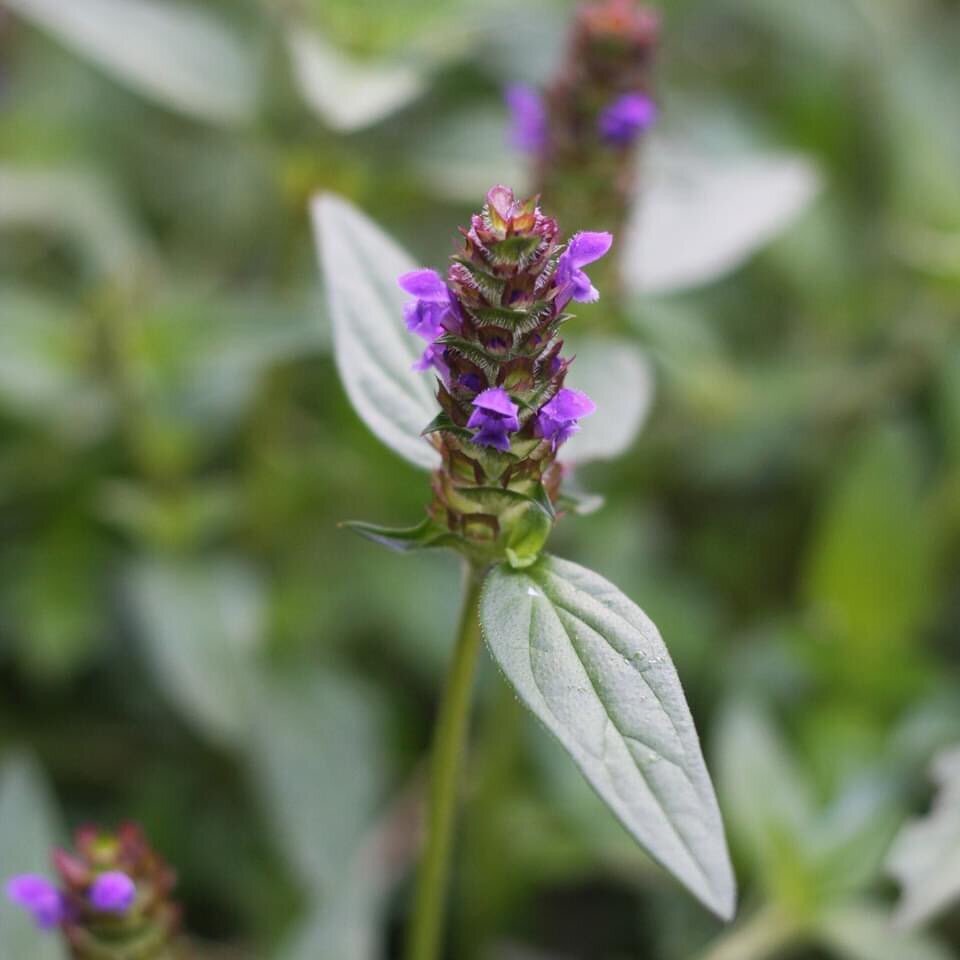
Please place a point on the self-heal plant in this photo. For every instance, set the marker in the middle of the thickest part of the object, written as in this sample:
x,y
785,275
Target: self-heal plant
x,y
111,899
581,656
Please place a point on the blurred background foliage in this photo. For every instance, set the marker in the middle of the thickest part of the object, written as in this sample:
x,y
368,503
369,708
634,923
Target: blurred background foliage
x,y
186,637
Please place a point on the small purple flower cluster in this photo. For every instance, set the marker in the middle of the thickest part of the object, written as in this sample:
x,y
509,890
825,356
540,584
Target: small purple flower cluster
x,y
111,892
619,124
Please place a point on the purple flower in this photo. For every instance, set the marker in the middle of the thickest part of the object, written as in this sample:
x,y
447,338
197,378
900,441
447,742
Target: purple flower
x,y
557,419
113,892
528,129
39,896
494,416
582,249
428,314
627,117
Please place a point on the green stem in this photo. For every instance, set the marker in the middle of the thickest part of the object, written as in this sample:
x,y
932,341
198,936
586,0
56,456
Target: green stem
x,y
764,935
448,750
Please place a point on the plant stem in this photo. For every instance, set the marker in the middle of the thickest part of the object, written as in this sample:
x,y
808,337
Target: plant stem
x,y
448,750
764,935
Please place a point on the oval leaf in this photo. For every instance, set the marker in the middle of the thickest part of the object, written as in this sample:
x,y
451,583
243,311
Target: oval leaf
x,y
374,351
593,669
29,830
349,94
174,54
618,378
702,217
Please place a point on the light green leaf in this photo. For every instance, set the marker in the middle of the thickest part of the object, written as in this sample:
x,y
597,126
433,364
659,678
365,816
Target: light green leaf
x,y
750,754
423,536
199,623
374,351
925,858
617,376
593,668
872,563
29,830
317,760
82,209
865,932
349,94
173,53
703,216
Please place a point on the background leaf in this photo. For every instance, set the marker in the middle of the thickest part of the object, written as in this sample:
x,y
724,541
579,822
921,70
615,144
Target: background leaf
x,y
702,216
200,622
593,668
175,54
29,830
925,858
618,377
346,93
865,932
374,351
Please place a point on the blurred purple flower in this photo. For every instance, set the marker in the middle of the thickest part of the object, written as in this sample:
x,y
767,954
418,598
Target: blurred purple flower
x,y
573,283
113,892
528,114
557,419
494,416
626,118
39,896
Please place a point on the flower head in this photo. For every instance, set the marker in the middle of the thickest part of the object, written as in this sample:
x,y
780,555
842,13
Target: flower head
x,y
558,419
39,896
528,115
493,328
628,116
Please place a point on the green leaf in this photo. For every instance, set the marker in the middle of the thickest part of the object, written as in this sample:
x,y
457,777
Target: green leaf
x,y
702,216
29,830
374,351
199,623
173,53
872,564
317,759
864,931
81,208
925,857
577,501
617,376
346,93
594,670
404,539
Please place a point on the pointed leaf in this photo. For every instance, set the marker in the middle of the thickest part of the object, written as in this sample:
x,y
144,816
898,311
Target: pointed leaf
x,y
925,857
176,54
374,351
29,830
200,623
866,932
349,94
702,217
404,539
617,376
593,669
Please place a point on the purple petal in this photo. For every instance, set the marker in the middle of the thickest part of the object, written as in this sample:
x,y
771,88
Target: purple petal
x,y
626,118
425,285
493,434
39,896
587,247
528,131
569,405
113,892
496,400
425,318
501,200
